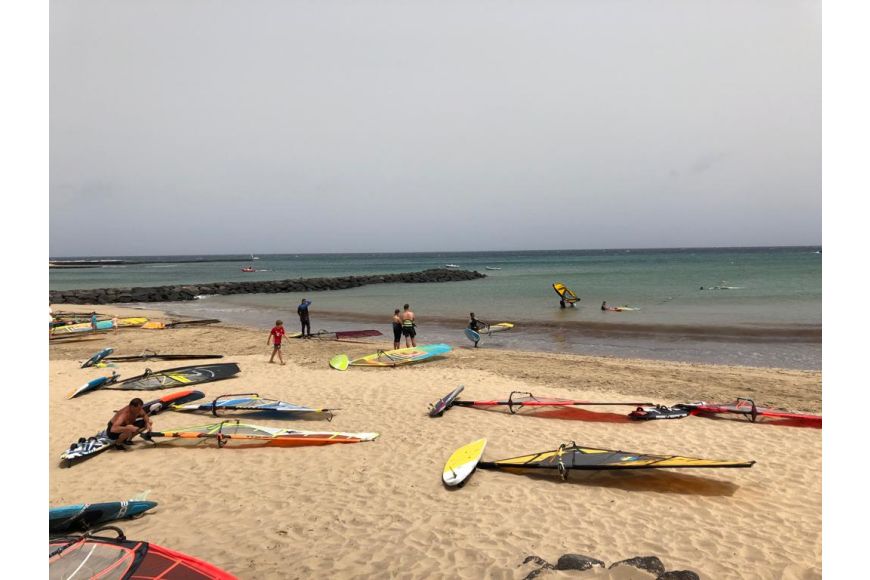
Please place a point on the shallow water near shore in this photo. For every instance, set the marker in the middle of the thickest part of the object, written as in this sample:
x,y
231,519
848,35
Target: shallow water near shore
x,y
759,306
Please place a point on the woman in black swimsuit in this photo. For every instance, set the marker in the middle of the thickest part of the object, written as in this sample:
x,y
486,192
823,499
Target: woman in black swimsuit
x,y
397,329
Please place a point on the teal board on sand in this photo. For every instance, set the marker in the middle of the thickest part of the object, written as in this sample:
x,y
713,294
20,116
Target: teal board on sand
x,y
98,357
83,516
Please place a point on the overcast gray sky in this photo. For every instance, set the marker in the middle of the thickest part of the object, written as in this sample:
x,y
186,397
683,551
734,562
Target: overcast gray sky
x,y
198,126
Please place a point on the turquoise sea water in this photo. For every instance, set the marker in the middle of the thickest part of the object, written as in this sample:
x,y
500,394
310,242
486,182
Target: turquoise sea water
x,y
769,315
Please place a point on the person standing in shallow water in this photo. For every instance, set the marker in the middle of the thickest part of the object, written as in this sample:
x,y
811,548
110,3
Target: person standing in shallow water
x,y
397,329
302,311
409,327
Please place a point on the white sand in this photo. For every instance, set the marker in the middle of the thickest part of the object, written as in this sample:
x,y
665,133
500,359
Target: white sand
x,y
379,509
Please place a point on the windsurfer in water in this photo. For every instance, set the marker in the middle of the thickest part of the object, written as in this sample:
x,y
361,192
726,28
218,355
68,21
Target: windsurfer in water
x,y
127,422
302,311
397,329
409,327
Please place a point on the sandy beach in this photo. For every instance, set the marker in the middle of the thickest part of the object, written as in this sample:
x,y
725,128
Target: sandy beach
x,y
379,510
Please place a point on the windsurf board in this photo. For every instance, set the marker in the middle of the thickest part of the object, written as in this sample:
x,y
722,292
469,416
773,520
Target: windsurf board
x,y
462,463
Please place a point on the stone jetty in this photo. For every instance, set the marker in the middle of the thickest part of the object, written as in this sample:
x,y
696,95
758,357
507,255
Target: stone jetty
x,y
192,291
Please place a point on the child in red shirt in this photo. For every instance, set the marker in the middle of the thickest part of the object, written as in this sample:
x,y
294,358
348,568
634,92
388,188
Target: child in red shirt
x,y
275,337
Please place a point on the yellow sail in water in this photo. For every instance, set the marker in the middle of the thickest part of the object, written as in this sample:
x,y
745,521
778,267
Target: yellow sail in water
x,y
565,293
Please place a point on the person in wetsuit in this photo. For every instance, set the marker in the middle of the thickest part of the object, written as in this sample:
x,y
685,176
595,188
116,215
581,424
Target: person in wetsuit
x,y
397,329
475,324
127,422
302,311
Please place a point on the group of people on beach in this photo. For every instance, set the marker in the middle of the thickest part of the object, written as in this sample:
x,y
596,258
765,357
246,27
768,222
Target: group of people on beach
x,y
404,324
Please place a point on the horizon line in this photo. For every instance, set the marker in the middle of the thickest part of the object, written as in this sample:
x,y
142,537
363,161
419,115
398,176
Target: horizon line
x,y
55,258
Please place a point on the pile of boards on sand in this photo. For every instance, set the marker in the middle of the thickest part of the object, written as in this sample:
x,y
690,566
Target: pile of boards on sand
x,y
521,402
100,325
81,546
573,457
224,433
59,328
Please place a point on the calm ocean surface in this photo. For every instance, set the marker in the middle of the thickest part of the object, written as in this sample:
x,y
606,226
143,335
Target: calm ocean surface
x,y
769,315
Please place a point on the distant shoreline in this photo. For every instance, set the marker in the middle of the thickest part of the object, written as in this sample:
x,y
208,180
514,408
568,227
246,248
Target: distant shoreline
x,y
99,262
93,261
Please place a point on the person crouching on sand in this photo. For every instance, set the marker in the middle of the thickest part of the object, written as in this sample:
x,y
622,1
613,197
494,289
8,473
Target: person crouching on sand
x,y
275,337
409,327
127,422
397,329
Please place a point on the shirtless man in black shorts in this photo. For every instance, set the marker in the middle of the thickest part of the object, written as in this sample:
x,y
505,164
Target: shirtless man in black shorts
x,y
409,327
127,422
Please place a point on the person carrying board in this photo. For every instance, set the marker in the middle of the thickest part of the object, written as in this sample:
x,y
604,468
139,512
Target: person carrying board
x,y
476,324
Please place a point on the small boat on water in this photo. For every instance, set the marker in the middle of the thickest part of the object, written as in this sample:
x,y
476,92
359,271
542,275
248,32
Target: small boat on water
x,y
492,268
451,265
248,269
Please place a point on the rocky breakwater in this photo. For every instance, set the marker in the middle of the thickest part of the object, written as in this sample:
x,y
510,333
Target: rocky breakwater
x,y
191,291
